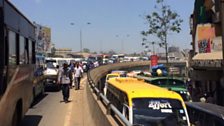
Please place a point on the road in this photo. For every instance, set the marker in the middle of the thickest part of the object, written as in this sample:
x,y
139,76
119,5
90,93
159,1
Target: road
x,y
50,110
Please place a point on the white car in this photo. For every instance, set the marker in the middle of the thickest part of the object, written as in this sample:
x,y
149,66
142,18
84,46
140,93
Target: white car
x,y
50,74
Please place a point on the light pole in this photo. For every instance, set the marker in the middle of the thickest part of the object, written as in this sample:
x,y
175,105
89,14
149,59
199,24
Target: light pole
x,y
152,43
122,42
80,35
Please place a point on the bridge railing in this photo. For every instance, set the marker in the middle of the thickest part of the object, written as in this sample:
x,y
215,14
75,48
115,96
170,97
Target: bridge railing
x,y
110,107
94,77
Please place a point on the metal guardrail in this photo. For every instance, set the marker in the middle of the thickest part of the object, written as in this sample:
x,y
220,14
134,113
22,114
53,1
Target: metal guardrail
x,y
110,107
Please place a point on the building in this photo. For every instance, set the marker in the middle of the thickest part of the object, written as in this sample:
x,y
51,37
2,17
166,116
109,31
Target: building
x,y
206,74
63,52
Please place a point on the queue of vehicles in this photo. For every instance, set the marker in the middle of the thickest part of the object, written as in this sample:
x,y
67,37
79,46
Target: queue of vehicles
x,y
145,100
146,104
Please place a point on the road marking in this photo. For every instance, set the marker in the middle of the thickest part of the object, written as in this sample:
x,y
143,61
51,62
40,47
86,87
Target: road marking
x,y
70,108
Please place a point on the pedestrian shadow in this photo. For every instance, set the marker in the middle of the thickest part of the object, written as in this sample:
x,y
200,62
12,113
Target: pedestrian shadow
x,y
66,102
31,120
38,99
53,88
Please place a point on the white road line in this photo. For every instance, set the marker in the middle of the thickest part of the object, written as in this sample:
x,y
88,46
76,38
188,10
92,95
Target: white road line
x,y
70,108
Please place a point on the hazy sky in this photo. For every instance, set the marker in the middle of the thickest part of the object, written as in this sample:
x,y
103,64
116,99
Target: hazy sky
x,y
113,22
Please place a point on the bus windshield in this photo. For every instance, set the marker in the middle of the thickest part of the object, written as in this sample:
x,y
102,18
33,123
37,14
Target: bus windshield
x,y
158,112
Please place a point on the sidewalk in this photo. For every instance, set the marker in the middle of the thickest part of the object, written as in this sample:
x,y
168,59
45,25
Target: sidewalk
x,y
51,111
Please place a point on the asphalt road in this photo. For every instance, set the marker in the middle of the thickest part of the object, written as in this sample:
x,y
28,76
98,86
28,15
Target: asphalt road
x,y
50,110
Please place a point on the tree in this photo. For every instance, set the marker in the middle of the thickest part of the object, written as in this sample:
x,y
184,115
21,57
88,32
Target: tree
x,y
95,52
111,52
53,51
161,22
85,50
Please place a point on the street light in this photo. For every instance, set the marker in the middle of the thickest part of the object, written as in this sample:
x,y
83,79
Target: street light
x,y
122,42
152,43
88,23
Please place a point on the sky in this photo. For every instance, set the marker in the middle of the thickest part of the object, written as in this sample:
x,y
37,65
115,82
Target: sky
x,y
115,24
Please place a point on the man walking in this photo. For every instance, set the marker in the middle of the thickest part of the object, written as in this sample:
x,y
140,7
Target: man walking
x,y
65,79
78,75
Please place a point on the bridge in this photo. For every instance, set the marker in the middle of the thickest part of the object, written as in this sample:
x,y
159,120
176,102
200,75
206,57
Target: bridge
x,y
88,106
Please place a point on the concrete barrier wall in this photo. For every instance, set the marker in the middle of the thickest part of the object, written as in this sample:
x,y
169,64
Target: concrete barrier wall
x,y
96,108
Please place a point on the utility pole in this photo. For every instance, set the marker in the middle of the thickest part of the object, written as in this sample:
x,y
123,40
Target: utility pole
x,y
80,41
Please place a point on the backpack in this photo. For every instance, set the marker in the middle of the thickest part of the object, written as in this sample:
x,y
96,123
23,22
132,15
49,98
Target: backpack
x,y
67,73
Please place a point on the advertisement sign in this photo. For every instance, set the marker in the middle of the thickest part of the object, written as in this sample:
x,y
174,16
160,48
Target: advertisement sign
x,y
47,38
43,38
154,60
204,38
217,44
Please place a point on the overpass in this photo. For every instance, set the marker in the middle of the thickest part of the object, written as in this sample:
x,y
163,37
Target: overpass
x,y
87,106
99,107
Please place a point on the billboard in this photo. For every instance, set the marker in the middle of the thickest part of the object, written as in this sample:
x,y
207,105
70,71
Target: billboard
x,y
154,60
205,35
43,38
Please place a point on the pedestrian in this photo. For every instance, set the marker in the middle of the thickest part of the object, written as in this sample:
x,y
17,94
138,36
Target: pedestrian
x,y
78,75
65,79
72,71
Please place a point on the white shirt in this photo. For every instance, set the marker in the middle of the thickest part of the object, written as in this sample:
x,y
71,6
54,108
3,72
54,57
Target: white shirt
x,y
78,71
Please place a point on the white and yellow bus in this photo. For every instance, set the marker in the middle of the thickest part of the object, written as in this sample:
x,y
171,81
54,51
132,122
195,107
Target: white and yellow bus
x,y
145,104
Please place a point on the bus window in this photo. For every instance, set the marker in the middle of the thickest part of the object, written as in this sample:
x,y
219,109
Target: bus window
x,y
22,59
126,111
33,52
11,55
26,51
30,52
12,47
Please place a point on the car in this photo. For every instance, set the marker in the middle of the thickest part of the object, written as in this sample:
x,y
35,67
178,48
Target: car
x,y
51,74
134,73
109,76
121,72
175,84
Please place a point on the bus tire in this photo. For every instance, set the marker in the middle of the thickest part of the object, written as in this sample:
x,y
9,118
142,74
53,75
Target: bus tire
x,y
17,115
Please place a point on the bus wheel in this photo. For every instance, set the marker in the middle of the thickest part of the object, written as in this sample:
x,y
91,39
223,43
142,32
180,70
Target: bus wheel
x,y
16,119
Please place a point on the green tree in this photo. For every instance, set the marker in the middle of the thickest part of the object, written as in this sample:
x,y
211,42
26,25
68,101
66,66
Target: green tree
x,y
111,52
161,22
53,50
85,50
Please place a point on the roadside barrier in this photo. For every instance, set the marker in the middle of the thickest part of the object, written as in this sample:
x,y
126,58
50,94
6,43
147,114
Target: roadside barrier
x,y
96,74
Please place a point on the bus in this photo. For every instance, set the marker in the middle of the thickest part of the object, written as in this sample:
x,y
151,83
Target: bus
x,y
145,104
176,84
205,114
17,64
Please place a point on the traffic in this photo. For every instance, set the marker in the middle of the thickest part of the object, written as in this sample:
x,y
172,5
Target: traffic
x,y
111,86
